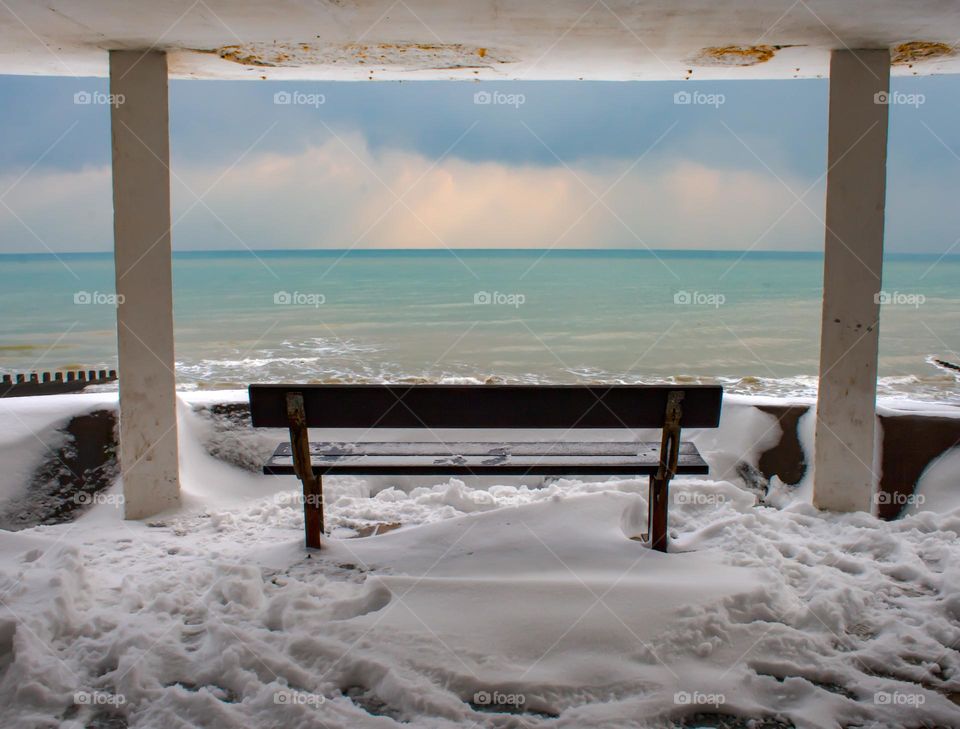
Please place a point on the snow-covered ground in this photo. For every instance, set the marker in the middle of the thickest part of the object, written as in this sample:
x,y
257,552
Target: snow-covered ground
x,y
509,605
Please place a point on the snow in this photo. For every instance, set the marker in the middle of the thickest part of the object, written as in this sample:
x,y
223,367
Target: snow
x,y
29,429
938,489
495,605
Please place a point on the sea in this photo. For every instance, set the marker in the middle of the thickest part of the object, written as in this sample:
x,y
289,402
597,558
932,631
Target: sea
x,y
749,320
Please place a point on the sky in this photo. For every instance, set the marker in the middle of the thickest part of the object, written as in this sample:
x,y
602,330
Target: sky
x,y
266,165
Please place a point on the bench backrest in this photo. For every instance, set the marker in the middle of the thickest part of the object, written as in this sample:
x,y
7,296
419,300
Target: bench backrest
x,y
486,406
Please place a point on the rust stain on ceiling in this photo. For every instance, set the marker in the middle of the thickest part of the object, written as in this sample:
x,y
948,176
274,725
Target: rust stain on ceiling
x,y
406,55
735,55
915,51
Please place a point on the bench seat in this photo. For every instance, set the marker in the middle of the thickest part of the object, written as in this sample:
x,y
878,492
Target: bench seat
x,y
405,458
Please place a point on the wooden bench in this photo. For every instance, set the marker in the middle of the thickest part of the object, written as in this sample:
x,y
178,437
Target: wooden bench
x,y
563,408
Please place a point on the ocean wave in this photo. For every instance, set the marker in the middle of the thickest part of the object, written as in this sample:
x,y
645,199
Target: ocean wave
x,y
321,361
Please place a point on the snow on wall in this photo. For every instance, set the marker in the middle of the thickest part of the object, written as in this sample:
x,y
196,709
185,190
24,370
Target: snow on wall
x,y
29,431
939,487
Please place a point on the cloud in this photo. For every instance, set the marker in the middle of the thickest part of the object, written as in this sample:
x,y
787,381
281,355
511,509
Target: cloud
x,y
58,211
341,194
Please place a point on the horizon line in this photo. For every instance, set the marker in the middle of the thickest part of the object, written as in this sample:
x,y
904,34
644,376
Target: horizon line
x,y
490,250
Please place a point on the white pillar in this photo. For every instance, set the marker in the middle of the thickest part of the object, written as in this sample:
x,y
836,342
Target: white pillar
x,y
141,229
853,257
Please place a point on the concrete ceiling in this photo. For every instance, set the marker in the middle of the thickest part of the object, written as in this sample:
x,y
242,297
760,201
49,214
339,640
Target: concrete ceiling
x,y
478,39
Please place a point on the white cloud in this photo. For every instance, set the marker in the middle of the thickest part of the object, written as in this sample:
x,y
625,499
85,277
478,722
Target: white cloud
x,y
340,194
56,211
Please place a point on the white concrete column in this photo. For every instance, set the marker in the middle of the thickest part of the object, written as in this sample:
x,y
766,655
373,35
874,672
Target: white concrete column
x,y
844,477
141,229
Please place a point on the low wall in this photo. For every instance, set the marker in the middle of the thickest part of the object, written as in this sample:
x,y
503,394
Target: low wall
x,y
910,442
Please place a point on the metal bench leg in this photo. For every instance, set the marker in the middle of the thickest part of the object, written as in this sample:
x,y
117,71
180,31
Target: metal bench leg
x,y
660,483
312,484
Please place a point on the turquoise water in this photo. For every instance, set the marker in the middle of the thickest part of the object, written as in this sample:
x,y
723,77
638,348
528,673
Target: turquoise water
x,y
750,321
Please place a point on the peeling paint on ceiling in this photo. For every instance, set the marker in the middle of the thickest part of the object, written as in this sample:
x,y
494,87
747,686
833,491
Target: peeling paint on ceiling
x,y
735,55
404,55
916,51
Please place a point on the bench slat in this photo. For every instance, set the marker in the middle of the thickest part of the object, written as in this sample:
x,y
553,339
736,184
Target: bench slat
x,y
486,406
485,448
486,459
